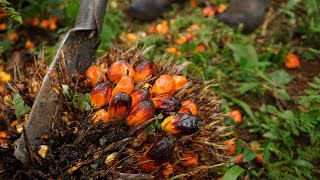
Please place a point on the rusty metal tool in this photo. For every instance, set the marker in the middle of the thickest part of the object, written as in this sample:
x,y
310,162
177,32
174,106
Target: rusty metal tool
x,y
76,52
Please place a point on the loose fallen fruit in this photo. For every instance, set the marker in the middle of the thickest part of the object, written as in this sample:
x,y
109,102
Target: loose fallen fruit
x,y
5,77
292,61
100,115
259,158
231,146
238,159
236,116
189,159
184,124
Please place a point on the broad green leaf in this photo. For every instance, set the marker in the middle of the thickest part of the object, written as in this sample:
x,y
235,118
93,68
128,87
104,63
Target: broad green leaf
x,y
245,55
248,155
233,173
302,163
280,77
81,101
266,152
246,87
271,135
283,94
20,107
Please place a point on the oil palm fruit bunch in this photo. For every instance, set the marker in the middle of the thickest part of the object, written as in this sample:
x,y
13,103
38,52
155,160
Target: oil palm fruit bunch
x,y
132,117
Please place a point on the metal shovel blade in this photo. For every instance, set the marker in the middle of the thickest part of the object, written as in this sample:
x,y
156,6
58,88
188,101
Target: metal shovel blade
x,y
76,52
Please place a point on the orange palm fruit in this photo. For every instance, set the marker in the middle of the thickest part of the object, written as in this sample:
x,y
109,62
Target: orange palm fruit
x,y
147,164
193,3
3,137
162,150
13,36
208,11
29,44
292,61
3,26
168,170
255,147
95,75
179,81
101,115
167,104
221,8
193,27
182,39
189,37
119,106
189,159
188,107
236,116
132,37
239,159
259,158
5,77
144,70
162,28
119,69
141,113
100,95
152,29
173,50
3,91
200,48
230,146
140,95
44,23
184,124
164,85
126,84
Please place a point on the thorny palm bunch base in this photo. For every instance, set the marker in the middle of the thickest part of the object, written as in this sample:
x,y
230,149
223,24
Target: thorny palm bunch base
x,y
80,149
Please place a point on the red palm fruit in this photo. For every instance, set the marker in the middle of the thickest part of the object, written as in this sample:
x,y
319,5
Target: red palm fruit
x,y
95,74
164,85
179,81
126,84
259,158
140,95
119,106
145,69
239,159
100,95
231,146
188,107
3,136
184,124
119,69
190,159
167,103
162,151
147,164
140,113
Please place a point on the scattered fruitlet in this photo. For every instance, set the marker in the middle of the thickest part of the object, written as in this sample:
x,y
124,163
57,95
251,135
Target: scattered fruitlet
x,y
259,158
292,61
236,116
5,77
164,85
140,113
184,124
188,107
100,95
95,75
145,69
162,151
119,69
100,115
238,159
230,146
119,106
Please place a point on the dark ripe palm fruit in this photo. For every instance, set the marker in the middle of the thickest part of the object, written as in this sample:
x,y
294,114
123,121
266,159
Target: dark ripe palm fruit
x,y
184,124
140,95
162,151
126,84
119,106
140,113
100,95
164,85
167,103
95,74
119,69
143,70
